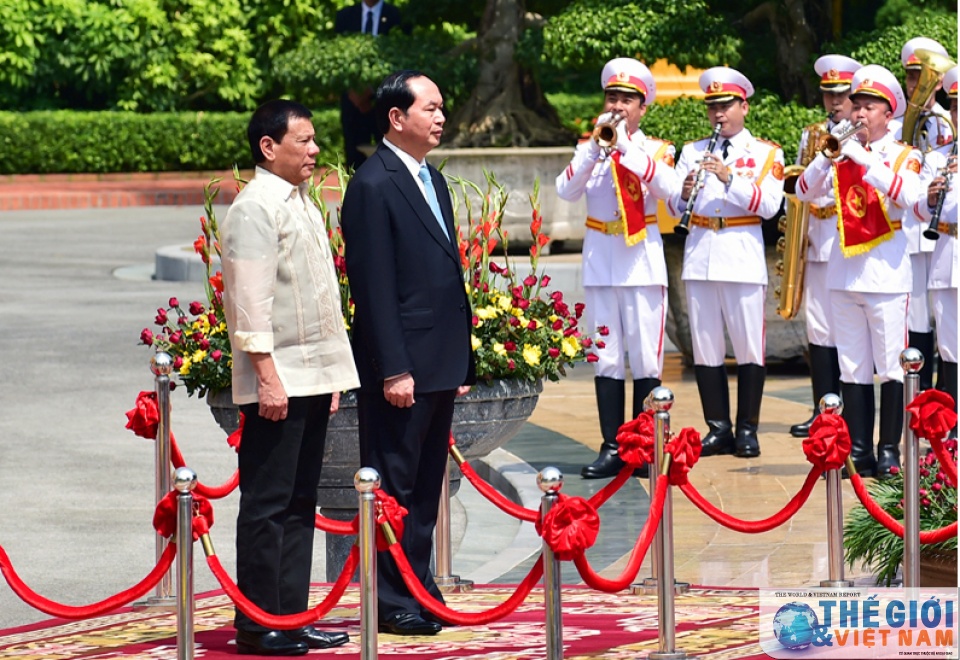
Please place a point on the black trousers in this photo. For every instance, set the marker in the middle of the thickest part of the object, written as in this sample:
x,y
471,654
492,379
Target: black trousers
x,y
279,470
408,447
359,129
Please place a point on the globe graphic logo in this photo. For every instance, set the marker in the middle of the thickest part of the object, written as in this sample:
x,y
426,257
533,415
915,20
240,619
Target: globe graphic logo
x,y
793,625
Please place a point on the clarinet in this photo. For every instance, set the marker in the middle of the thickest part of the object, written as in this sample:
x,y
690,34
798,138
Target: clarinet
x,y
684,227
931,230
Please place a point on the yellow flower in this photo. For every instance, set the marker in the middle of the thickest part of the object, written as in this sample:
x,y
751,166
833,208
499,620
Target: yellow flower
x,y
487,312
185,367
476,343
198,356
504,303
499,349
570,346
531,355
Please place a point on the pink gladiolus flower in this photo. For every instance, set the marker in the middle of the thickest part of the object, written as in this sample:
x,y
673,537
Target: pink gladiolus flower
x,y
174,302
530,280
556,296
196,308
146,337
545,280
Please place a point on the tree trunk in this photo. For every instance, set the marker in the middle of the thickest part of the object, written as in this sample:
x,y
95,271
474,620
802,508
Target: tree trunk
x,y
799,28
507,107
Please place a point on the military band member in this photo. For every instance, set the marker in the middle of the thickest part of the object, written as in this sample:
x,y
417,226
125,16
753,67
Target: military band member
x,y
943,275
874,180
836,72
934,132
724,268
624,272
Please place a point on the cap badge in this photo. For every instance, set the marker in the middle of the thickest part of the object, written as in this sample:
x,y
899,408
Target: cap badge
x,y
622,75
716,86
833,74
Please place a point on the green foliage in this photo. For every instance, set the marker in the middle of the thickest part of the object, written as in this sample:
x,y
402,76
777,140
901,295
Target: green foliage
x,y
898,12
685,118
320,70
882,46
64,141
589,32
276,25
137,55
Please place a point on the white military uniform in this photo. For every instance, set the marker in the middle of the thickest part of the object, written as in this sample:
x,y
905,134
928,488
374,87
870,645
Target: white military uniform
x,y
625,286
943,276
724,265
870,291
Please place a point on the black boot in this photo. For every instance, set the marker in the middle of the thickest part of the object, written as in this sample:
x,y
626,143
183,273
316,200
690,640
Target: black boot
x,y
715,399
858,412
641,388
891,427
923,341
611,397
825,378
948,384
750,379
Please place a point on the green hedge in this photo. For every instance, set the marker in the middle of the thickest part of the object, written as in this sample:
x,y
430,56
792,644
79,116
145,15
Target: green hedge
x,y
68,142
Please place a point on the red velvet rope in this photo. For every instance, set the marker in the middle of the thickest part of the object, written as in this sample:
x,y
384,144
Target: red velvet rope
x,y
640,548
946,460
165,515
440,610
286,621
36,601
331,526
888,521
496,498
570,527
754,527
828,443
210,492
636,440
600,498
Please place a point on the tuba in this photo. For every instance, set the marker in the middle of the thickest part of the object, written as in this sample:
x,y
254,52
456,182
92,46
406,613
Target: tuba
x,y
932,67
792,246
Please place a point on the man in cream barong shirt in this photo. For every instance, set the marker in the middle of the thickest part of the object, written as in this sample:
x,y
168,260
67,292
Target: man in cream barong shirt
x,y
291,358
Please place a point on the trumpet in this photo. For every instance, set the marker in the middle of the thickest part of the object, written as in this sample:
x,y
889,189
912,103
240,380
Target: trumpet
x,y
830,144
931,231
684,227
606,133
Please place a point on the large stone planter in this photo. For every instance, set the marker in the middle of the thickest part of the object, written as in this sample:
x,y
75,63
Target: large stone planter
x,y
785,340
517,168
224,410
938,569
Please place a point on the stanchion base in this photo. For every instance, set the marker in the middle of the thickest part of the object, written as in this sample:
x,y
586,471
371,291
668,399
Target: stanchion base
x,y
668,655
453,584
156,603
836,584
649,587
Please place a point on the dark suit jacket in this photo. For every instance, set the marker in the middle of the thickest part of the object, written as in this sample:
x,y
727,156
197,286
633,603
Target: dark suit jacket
x,y
412,311
348,19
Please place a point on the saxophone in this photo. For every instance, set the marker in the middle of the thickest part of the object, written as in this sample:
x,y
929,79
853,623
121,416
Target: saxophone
x,y
794,224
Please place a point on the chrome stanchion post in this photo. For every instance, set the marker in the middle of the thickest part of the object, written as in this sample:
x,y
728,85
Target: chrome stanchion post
x,y
550,481
667,587
832,404
185,480
446,581
161,365
660,400
366,481
911,359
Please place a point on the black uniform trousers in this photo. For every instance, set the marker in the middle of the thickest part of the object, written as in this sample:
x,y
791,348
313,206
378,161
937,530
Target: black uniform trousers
x,y
279,471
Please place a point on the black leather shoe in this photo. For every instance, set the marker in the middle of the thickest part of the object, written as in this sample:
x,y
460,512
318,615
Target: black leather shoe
x,y
747,445
802,430
408,623
427,616
273,642
607,465
317,639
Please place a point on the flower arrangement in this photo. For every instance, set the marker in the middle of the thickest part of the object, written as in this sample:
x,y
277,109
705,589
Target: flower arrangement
x,y
520,330
867,541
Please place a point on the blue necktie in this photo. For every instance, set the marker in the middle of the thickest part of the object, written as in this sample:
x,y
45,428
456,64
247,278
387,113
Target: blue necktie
x,y
424,175
368,24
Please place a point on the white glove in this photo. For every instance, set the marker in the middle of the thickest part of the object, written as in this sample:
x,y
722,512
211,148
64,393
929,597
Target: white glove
x,y
853,150
605,118
623,140
841,126
593,149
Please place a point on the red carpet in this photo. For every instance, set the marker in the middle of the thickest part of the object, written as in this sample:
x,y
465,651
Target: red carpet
x,y
711,623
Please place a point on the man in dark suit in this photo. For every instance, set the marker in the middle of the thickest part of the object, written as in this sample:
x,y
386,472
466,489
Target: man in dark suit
x,y
412,327
373,17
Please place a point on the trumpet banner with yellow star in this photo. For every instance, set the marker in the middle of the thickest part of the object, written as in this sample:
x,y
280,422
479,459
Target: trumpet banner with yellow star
x,y
710,622
861,215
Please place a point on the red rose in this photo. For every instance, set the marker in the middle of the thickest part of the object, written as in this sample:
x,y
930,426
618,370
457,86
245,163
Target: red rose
x,y
161,316
592,357
173,302
558,324
514,321
828,444
545,280
510,346
603,330
553,352
601,344
216,356
532,325
183,320
204,344
578,309
511,365
587,342
177,363
212,318
176,337
196,308
556,296
146,337
523,303
530,280
475,320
